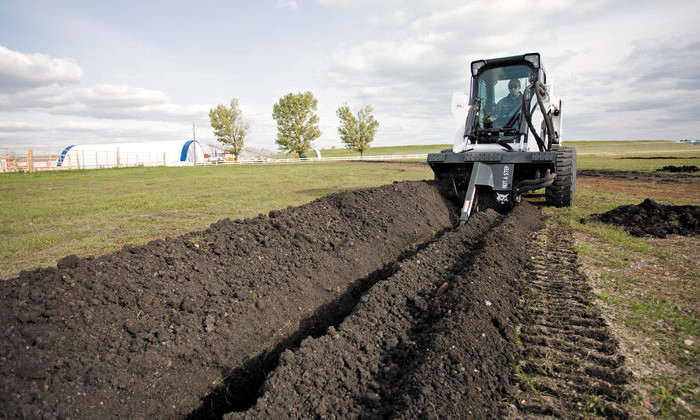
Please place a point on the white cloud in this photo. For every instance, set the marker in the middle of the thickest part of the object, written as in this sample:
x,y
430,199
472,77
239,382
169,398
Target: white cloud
x,y
111,96
287,4
19,70
15,126
53,133
40,107
591,49
623,69
666,63
100,101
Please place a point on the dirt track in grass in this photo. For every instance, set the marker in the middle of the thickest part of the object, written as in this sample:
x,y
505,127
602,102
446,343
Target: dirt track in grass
x,y
365,304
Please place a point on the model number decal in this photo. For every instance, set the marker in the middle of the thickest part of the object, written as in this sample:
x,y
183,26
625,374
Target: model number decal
x,y
506,175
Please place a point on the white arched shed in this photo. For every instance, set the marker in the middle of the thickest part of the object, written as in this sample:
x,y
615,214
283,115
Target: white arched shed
x,y
114,155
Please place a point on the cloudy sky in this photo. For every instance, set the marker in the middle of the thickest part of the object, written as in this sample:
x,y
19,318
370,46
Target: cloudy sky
x,y
84,72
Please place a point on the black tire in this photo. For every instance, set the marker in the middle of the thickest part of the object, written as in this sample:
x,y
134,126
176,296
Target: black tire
x,y
561,192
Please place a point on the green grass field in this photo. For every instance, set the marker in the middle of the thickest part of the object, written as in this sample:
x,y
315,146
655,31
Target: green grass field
x,y
583,147
45,216
639,161
374,151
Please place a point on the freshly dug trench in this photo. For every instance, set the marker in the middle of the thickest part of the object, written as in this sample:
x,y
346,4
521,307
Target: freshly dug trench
x,y
432,341
148,331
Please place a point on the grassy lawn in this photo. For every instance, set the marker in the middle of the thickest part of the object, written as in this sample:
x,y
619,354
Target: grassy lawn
x,y
642,162
46,216
639,146
374,151
583,148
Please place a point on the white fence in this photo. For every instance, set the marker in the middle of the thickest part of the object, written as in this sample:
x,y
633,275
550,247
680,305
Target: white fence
x,y
259,161
28,160
15,160
33,161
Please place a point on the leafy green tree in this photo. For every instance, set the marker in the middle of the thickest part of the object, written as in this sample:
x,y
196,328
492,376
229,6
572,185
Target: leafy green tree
x,y
229,127
357,131
297,122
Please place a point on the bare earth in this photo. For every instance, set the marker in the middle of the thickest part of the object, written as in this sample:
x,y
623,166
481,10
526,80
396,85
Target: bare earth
x,y
364,304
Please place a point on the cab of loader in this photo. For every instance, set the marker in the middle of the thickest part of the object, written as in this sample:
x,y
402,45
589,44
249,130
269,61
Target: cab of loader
x,y
500,115
507,139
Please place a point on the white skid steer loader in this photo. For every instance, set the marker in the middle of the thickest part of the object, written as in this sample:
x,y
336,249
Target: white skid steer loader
x,y
508,139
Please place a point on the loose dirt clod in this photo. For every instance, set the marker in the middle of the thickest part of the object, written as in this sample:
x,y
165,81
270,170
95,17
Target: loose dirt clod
x,y
651,218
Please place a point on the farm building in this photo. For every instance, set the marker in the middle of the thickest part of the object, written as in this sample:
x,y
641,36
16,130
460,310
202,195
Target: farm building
x,y
113,155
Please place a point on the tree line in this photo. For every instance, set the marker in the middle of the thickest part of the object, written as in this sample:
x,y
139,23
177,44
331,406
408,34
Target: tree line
x,y
297,125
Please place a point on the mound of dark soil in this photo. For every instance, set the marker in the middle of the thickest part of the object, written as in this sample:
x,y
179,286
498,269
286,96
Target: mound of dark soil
x,y
432,341
651,218
685,168
364,304
149,331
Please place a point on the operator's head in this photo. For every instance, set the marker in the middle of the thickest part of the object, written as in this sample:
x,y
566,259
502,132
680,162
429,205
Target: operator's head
x,y
514,86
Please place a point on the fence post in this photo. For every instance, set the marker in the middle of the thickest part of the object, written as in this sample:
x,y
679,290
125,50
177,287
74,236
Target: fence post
x,y
30,161
118,163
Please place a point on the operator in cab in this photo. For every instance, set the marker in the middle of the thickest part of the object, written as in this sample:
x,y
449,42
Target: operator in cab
x,y
507,106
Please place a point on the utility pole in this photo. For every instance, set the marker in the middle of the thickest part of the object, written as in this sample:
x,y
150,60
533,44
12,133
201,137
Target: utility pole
x,y
194,144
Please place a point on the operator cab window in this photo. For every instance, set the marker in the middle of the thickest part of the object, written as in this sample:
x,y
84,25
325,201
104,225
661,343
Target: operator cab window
x,y
492,87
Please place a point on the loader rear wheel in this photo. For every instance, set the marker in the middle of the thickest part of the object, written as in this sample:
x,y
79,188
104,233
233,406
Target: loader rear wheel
x,y
561,192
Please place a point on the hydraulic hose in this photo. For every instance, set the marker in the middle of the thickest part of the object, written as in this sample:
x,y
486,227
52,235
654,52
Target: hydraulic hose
x,y
534,184
540,91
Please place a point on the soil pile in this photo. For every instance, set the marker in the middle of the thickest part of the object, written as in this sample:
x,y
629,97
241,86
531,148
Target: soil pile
x,y
148,331
432,341
685,168
364,304
651,218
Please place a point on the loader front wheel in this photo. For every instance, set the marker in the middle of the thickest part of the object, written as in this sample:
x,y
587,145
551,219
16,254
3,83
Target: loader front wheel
x,y
561,192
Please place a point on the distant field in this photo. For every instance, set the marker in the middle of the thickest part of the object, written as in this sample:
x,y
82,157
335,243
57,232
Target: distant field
x,y
643,162
639,146
374,151
583,147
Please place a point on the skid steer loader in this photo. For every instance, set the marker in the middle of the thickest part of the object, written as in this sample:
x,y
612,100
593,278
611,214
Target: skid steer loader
x,y
507,140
